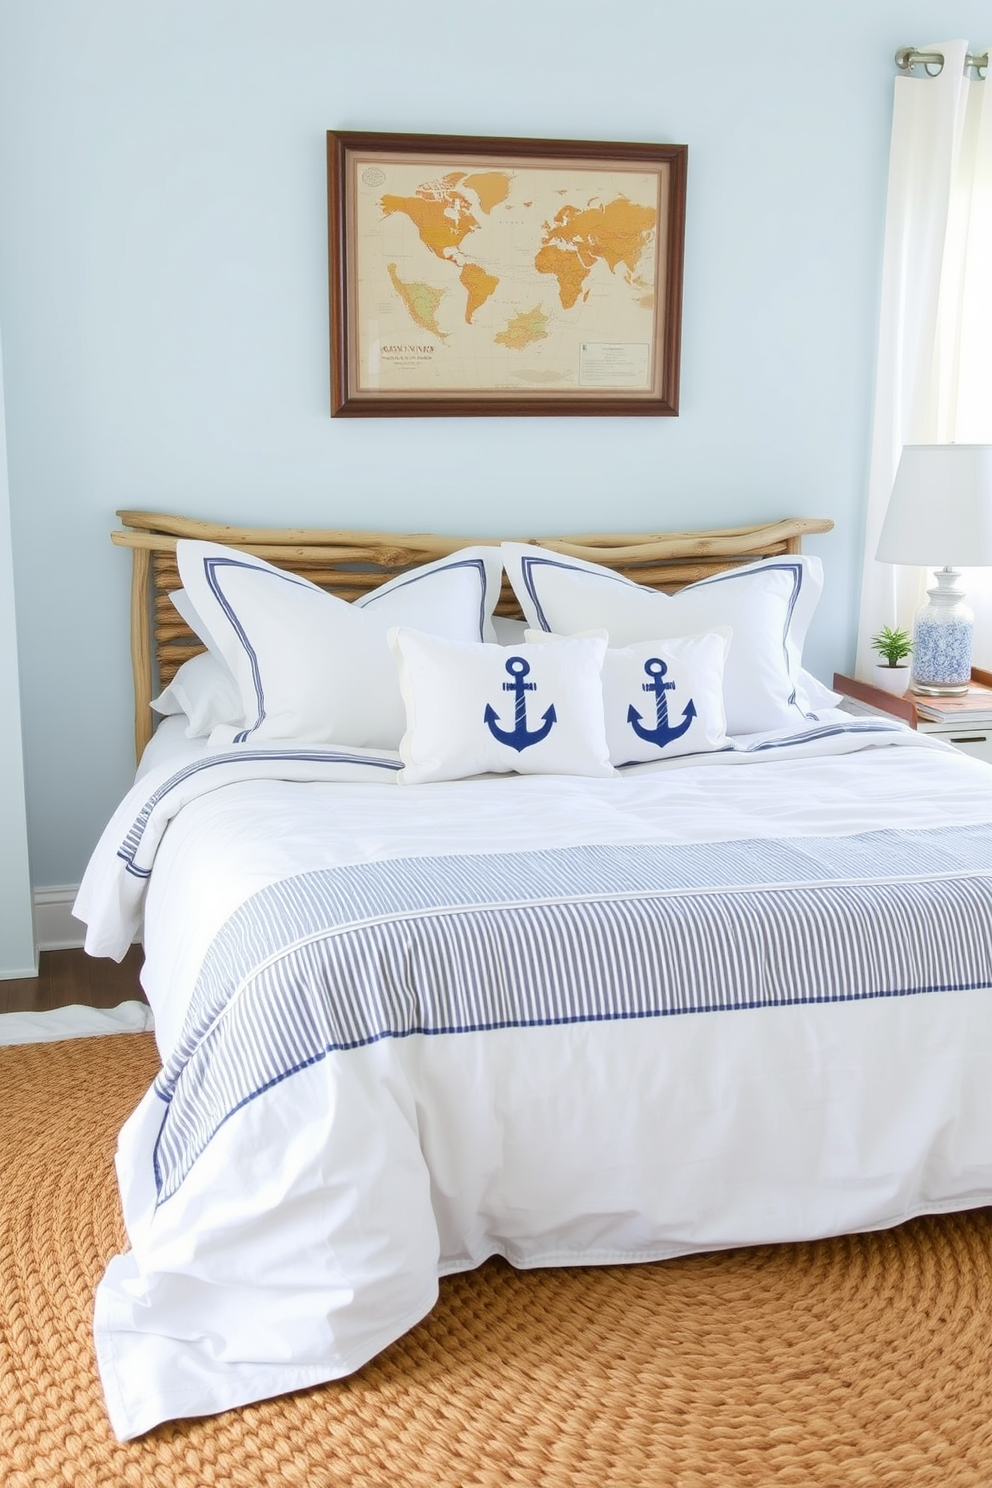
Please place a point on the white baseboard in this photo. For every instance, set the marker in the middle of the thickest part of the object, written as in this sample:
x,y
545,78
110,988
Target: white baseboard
x,y
55,929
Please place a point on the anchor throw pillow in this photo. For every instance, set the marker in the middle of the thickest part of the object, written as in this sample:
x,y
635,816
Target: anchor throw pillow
x,y
662,698
767,605
476,709
313,667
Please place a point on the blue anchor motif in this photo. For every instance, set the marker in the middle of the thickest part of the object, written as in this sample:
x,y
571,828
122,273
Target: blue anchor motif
x,y
661,734
519,737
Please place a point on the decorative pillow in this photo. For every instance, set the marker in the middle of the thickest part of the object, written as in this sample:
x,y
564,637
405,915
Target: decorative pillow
x,y
311,666
767,605
508,631
478,709
662,698
818,694
205,691
184,606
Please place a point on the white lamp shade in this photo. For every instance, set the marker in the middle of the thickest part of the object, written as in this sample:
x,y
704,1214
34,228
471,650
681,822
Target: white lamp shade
x,y
940,510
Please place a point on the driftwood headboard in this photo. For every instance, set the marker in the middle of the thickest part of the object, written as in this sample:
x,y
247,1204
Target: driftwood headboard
x,y
351,564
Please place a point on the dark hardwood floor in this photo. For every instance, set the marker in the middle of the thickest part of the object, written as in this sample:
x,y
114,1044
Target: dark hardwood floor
x,y
65,977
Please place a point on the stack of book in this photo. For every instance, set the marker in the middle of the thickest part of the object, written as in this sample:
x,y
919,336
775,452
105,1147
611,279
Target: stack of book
x,y
971,707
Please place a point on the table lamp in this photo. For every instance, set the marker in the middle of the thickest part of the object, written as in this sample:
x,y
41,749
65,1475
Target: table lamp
x,y
941,509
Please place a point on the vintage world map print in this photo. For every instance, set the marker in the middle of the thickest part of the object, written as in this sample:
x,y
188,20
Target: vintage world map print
x,y
523,277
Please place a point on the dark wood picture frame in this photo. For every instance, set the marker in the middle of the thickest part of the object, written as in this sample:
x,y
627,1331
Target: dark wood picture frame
x,y
610,250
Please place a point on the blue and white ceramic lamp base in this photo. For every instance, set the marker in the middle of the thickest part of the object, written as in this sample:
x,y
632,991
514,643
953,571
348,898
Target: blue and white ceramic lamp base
x,y
942,636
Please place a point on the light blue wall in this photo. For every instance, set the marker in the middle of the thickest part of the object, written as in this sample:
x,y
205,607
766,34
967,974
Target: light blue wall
x,y
163,294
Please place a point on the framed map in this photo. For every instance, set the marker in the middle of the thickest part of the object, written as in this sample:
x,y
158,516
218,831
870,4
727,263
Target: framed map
x,y
504,276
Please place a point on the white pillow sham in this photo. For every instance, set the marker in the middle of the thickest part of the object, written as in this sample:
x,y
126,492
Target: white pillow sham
x,y
184,606
818,694
662,698
508,630
311,666
475,709
205,691
768,606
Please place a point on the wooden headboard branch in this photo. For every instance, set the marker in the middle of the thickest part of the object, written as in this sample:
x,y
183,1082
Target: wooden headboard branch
x,y
350,564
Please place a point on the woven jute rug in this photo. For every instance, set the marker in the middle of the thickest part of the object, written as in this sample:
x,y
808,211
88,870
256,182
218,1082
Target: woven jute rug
x,y
859,1361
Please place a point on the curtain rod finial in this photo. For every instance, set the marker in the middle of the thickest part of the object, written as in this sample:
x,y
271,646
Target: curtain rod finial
x,y
908,57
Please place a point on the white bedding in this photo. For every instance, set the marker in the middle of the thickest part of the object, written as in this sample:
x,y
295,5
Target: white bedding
x,y
74,1021
304,1228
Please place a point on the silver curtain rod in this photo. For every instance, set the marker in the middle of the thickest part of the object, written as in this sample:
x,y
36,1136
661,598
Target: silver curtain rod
x,y
908,57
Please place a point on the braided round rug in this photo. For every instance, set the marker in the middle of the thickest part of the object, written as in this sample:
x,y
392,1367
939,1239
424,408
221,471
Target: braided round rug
x,y
859,1361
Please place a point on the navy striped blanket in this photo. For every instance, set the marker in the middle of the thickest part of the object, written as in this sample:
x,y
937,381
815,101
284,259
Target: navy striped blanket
x,y
333,960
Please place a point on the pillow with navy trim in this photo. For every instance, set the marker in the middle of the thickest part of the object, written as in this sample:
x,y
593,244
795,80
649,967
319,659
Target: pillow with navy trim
x,y
475,709
314,667
768,606
205,691
184,606
818,694
662,698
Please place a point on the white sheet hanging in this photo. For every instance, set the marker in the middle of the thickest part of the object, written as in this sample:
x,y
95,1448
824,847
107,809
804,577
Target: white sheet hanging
x,y
74,1021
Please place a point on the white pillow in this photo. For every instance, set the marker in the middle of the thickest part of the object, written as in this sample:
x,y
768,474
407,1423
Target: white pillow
x,y
508,630
481,709
311,666
182,603
662,698
818,694
767,605
205,691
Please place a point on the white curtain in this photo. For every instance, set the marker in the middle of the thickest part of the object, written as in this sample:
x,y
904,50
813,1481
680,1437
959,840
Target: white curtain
x,y
934,374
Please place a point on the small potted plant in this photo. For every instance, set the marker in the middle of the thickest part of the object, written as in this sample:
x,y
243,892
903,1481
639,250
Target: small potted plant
x,y
892,668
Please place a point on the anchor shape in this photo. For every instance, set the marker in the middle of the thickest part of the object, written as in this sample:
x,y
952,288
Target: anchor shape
x,y
519,738
661,734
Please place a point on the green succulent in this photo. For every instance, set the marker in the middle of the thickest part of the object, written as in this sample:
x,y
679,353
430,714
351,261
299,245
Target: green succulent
x,y
893,646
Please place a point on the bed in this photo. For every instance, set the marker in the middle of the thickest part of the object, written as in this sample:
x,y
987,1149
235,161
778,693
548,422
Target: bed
x,y
721,981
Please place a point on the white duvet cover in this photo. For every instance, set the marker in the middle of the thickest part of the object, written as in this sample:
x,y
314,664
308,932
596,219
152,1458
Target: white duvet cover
x,y
707,1003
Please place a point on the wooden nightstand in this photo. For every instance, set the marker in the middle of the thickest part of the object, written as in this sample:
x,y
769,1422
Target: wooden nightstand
x,y
862,697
